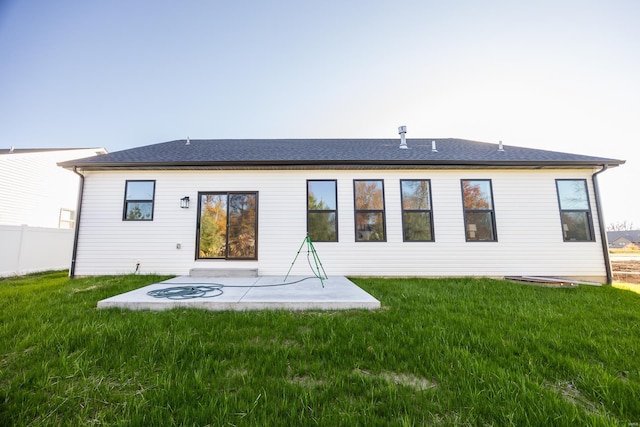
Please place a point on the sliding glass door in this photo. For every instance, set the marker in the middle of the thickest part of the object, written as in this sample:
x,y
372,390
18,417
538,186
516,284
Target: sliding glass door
x,y
227,225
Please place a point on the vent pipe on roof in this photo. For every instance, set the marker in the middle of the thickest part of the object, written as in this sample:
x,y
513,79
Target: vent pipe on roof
x,y
11,149
188,141
500,146
403,142
433,147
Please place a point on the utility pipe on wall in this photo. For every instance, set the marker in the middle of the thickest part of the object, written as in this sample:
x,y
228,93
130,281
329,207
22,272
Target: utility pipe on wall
x,y
603,230
72,269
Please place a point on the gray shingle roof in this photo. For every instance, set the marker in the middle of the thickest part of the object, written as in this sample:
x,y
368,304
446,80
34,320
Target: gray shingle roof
x,y
630,235
41,150
308,152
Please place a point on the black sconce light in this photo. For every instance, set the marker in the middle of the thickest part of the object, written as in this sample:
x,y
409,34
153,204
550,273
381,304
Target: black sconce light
x,y
184,202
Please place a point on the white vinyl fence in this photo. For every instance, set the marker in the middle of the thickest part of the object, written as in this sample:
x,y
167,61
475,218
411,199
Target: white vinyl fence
x,y
25,249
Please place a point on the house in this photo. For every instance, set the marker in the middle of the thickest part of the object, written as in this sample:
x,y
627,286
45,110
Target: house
x,y
38,202
35,191
621,239
372,207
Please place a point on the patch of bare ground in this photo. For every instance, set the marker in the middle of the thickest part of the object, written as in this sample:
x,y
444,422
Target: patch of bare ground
x,y
626,271
306,381
571,394
407,380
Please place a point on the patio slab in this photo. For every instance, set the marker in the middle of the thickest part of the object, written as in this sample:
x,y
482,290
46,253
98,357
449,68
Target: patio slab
x,y
246,293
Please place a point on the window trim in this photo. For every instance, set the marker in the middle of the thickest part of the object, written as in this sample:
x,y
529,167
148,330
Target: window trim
x,y
199,218
592,235
70,223
126,201
334,211
429,211
494,229
356,211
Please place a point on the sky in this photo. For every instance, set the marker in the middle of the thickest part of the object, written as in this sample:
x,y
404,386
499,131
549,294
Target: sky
x,y
558,75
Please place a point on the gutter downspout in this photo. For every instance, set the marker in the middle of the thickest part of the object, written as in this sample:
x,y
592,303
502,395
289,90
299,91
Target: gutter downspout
x,y
603,230
72,269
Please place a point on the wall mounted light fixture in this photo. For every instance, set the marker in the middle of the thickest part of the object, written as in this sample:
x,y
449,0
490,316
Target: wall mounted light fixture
x,y
184,202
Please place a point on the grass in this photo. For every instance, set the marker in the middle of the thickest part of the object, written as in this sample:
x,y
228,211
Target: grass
x,y
439,352
631,250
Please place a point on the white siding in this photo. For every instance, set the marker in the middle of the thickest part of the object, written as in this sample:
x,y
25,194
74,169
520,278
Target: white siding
x,y
33,188
526,210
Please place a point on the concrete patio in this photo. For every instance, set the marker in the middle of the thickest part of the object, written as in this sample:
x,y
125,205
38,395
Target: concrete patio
x,y
246,293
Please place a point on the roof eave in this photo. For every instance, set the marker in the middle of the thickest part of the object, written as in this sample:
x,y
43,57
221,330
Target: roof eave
x,y
341,163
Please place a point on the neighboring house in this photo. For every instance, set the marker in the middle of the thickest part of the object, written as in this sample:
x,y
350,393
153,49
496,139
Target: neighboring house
x,y
38,202
34,191
621,239
443,207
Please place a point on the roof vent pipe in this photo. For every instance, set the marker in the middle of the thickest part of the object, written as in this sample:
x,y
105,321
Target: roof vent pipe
x,y
500,146
433,147
403,142
188,141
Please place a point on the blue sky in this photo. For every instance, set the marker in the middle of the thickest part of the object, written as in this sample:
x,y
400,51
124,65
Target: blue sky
x,y
559,75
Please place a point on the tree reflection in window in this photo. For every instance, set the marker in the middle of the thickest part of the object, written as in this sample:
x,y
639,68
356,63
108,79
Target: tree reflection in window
x,y
416,210
138,200
322,219
479,219
228,225
575,213
213,226
369,210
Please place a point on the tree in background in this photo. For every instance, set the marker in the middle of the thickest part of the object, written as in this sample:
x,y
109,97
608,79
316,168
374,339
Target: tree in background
x,y
228,225
620,226
241,236
416,215
369,205
213,226
322,225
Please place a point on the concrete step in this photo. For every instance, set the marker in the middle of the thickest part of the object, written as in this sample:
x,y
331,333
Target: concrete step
x,y
223,272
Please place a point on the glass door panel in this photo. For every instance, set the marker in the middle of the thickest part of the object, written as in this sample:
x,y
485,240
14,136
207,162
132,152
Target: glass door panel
x,y
228,225
242,226
213,226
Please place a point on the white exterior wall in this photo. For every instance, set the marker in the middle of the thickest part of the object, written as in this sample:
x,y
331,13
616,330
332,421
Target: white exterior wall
x,y
33,188
526,211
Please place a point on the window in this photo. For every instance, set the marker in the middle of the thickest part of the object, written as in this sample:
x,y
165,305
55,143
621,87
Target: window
x,y
417,224
575,214
138,200
322,218
66,218
479,218
227,225
369,210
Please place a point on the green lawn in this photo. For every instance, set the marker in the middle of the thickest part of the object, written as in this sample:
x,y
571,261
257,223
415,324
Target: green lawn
x,y
439,352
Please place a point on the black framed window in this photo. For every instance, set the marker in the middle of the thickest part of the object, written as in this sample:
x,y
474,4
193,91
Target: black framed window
x,y
417,219
138,200
575,211
322,210
369,210
227,225
479,215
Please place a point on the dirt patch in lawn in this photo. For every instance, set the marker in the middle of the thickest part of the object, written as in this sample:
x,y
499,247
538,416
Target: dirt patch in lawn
x,y
627,271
